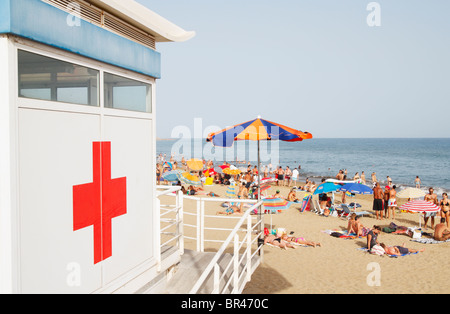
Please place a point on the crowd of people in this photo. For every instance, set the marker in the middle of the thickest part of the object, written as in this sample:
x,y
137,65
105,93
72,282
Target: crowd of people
x,y
384,201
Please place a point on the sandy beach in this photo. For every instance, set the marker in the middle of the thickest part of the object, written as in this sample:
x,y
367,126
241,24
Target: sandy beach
x,y
339,266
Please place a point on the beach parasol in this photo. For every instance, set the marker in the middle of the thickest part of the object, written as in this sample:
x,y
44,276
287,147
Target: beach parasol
x,y
276,204
188,178
171,176
209,172
327,187
262,189
256,130
411,193
195,164
420,206
232,170
273,205
268,180
356,188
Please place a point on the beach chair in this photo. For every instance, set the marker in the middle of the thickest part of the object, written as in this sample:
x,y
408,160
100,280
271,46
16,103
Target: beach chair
x,y
346,211
318,210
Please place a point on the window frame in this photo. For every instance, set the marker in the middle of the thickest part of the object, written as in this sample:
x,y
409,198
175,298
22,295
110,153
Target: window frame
x,y
66,56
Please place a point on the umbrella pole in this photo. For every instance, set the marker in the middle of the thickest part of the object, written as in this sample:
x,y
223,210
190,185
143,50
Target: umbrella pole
x,y
259,192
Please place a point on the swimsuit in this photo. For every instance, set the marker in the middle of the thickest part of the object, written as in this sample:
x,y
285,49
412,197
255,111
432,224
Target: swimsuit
x,y
392,202
403,250
378,204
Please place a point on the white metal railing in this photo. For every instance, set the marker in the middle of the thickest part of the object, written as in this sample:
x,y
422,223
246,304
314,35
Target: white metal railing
x,y
239,269
170,223
232,276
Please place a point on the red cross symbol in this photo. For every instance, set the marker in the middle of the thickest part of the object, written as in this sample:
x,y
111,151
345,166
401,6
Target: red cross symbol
x,y
96,203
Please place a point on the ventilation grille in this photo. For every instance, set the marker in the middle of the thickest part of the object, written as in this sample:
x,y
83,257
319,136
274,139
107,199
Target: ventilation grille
x,y
94,15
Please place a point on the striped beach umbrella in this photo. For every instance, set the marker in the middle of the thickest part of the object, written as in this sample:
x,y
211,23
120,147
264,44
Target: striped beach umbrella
x,y
188,178
276,204
256,130
172,175
420,206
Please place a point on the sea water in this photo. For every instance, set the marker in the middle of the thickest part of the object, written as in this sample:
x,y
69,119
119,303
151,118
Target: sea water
x,y
401,159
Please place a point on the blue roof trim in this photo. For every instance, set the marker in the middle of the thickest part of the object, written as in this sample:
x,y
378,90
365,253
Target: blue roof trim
x,y
46,24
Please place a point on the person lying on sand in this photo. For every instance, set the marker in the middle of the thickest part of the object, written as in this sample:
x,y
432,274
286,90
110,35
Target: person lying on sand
x,y
233,209
278,242
398,250
299,241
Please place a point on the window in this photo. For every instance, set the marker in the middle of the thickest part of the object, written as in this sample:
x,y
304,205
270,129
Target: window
x,y
124,93
54,80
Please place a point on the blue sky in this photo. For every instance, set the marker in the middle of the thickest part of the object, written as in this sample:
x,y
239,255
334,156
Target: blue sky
x,y
312,65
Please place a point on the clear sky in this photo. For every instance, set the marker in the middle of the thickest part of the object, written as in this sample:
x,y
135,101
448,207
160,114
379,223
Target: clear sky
x,y
315,66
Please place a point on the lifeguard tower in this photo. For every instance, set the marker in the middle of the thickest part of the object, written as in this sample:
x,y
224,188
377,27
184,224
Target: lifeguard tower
x,y
77,145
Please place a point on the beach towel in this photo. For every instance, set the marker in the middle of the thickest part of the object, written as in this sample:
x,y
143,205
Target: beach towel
x,y
429,241
393,256
341,234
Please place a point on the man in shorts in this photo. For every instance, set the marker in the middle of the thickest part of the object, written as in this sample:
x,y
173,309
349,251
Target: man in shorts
x,y
432,198
378,201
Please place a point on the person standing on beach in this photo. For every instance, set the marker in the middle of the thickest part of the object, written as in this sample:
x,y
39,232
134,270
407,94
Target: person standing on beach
x,y
445,208
417,182
287,176
295,174
374,177
378,201
280,177
386,200
392,203
432,198
363,178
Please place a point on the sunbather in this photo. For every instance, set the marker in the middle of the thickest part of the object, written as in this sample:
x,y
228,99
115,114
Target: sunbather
x,y
233,209
277,241
300,240
355,226
398,250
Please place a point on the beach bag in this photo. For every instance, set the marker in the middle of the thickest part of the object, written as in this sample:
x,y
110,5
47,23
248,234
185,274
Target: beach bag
x,y
336,234
413,233
377,250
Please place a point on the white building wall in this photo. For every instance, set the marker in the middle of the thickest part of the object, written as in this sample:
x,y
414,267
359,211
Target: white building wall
x,y
48,151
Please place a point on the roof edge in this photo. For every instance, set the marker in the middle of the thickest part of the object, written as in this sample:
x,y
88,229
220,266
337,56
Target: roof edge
x,y
142,17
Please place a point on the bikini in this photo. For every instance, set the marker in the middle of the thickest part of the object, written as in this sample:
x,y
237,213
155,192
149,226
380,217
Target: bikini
x,y
442,204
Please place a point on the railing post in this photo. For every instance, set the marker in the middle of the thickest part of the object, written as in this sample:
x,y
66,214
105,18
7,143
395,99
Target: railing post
x,y
236,265
216,279
202,225
180,221
157,226
198,226
249,248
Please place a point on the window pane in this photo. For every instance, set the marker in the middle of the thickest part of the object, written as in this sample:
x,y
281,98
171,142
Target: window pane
x,y
51,79
123,93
